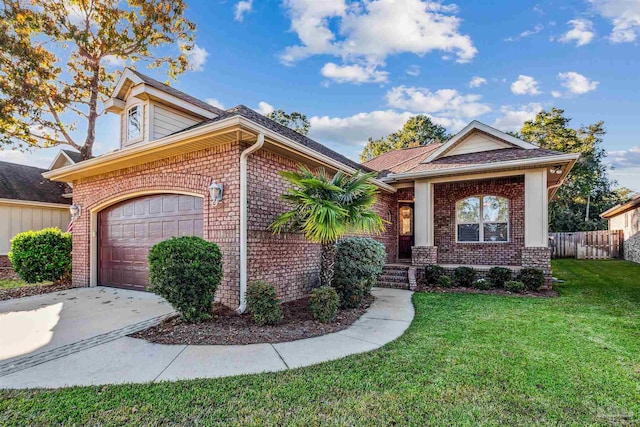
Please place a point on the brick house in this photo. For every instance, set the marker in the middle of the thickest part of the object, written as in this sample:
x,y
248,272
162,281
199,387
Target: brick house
x,y
626,217
480,199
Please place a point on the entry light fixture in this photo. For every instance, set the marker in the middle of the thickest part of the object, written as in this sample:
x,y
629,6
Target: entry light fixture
x,y
216,191
76,211
556,169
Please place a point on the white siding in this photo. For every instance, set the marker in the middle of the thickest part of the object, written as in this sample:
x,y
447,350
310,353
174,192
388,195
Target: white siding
x,y
476,143
167,121
15,219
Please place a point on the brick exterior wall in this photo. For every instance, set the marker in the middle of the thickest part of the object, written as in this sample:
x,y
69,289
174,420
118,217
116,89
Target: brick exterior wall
x,y
449,251
424,255
539,258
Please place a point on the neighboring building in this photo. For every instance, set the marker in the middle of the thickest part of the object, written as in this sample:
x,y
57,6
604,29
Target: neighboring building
x,y
28,202
626,217
479,199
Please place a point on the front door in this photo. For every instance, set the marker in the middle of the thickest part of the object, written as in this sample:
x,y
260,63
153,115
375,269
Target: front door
x,y
405,230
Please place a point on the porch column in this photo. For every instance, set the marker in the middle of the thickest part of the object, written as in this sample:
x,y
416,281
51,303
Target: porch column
x,y
424,251
536,252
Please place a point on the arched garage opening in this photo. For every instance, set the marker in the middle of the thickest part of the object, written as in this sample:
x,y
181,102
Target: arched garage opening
x,y
128,229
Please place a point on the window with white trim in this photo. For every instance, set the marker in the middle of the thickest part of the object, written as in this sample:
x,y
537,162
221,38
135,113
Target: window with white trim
x,y
482,219
134,123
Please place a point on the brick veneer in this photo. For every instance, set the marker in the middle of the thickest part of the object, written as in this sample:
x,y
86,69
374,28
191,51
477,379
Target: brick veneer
x,y
539,258
449,251
424,255
6,272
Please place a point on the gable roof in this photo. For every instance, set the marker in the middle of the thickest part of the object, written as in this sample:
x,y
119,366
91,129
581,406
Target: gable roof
x,y
26,183
74,156
400,160
622,208
64,158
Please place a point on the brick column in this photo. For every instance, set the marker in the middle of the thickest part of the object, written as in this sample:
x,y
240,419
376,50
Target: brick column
x,y
424,255
539,258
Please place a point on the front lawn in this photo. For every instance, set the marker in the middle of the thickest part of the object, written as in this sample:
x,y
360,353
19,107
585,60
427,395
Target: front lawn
x,y
17,283
466,359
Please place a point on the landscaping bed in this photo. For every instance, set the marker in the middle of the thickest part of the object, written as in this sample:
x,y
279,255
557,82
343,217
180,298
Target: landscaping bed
x,y
227,327
544,293
14,288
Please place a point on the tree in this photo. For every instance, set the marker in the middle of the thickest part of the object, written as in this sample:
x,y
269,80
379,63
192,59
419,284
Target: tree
x,y
325,209
418,130
587,191
294,120
53,55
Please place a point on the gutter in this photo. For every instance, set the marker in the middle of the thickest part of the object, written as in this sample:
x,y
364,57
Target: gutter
x,y
243,221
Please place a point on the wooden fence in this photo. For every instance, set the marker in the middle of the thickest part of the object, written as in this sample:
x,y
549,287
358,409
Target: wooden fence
x,y
587,244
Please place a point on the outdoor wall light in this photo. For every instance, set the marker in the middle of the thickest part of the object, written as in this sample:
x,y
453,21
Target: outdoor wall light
x,y
556,169
76,211
216,190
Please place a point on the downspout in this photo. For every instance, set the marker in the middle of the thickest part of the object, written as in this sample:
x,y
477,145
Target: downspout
x,y
243,220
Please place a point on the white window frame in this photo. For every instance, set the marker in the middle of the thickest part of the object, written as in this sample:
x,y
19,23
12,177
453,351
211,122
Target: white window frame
x,y
481,221
139,138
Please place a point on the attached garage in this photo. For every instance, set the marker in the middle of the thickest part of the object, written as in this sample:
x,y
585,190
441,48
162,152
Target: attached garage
x,y
129,229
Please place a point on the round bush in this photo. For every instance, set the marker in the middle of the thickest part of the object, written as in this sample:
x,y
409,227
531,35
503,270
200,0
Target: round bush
x,y
464,276
41,256
324,303
514,286
532,278
498,276
263,303
359,263
186,271
445,281
432,274
482,284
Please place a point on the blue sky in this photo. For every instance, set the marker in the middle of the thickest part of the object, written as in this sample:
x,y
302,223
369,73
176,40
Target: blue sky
x,y
360,69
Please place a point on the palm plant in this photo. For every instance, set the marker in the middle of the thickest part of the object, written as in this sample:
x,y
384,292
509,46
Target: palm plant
x,y
326,208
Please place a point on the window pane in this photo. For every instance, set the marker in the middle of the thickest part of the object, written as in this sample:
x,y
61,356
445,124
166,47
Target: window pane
x,y
495,209
406,221
496,232
133,123
468,210
468,232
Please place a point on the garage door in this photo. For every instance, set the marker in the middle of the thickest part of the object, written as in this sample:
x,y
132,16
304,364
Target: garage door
x,y
130,228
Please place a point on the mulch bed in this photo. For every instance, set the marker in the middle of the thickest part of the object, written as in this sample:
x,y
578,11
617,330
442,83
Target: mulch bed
x,y
227,327
457,290
27,291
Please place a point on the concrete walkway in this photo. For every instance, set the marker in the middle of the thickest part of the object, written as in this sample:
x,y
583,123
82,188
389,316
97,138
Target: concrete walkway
x,y
129,360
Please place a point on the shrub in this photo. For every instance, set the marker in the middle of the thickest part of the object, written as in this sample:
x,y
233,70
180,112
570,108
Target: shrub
x,y
41,256
498,276
464,276
514,286
263,304
323,303
532,278
186,271
444,281
482,284
432,274
359,264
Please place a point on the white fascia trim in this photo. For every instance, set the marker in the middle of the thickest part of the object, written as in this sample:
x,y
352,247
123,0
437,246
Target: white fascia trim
x,y
311,153
142,91
126,75
34,204
485,167
61,153
114,105
476,125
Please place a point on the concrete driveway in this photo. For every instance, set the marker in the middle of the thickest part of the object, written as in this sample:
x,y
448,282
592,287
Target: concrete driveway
x,y
36,329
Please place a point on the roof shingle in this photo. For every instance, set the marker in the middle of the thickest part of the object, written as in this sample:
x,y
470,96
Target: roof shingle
x,y
26,183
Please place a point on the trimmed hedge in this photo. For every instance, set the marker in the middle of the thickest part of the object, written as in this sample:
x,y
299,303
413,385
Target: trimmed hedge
x,y
432,274
324,303
514,286
445,281
358,265
464,276
498,276
41,256
532,278
263,303
482,284
186,271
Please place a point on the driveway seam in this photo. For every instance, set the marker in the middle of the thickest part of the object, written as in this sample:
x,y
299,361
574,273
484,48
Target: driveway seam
x,y
170,363
280,356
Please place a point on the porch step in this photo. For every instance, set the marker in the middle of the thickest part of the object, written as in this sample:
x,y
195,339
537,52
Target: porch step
x,y
394,276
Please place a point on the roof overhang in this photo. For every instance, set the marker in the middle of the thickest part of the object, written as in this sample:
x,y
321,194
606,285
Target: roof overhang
x,y
60,159
231,129
621,208
34,204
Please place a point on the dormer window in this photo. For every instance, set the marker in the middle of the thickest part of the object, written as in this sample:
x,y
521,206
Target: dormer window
x,y
134,123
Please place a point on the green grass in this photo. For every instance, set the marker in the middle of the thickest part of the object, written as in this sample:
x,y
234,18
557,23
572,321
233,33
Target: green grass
x,y
465,360
17,283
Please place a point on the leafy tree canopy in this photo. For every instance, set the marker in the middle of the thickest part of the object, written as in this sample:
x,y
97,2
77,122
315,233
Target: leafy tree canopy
x,y
53,55
587,191
418,130
294,120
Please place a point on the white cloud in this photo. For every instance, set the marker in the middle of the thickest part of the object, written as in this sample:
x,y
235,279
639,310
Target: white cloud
x,y
512,118
367,32
623,159
13,156
197,57
625,16
526,33
576,83
444,102
556,94
581,32
353,73
413,70
114,61
241,8
264,108
477,81
525,85
215,103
